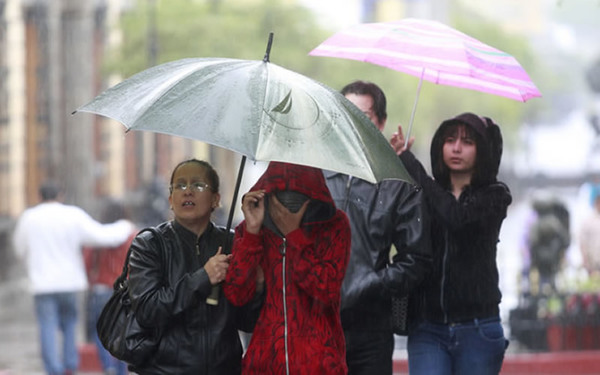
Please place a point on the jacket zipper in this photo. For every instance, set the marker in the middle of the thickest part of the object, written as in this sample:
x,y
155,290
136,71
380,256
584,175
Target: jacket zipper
x,y
285,322
347,196
205,336
443,280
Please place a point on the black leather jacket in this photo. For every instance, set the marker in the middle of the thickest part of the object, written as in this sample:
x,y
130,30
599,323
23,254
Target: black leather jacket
x,y
169,290
389,213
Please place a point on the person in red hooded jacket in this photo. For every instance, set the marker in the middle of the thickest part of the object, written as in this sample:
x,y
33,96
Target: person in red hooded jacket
x,y
292,232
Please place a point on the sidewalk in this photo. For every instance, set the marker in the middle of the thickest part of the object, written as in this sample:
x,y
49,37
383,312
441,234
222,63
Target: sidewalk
x,y
19,347
19,351
555,363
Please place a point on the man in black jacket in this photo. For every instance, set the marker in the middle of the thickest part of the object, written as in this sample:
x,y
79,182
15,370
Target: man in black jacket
x,y
391,212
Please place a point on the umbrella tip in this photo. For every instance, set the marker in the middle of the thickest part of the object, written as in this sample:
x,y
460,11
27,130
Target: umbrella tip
x,y
266,58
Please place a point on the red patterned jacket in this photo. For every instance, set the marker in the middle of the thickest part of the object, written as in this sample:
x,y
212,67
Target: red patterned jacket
x,y
299,329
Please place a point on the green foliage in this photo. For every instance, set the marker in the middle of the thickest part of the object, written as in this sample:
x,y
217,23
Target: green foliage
x,y
236,29
187,28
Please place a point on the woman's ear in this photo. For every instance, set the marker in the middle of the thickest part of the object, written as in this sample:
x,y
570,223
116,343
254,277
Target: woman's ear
x,y
215,201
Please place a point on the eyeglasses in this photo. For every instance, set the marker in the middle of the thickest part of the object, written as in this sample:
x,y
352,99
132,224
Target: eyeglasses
x,y
198,187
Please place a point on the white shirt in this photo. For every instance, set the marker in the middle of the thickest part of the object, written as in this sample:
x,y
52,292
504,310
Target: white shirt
x,y
50,237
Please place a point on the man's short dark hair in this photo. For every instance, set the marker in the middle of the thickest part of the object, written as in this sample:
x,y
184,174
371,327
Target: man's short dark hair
x,y
374,91
49,191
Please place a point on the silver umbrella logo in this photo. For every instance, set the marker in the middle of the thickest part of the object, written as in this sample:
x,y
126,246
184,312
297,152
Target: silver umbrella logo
x,y
293,113
285,106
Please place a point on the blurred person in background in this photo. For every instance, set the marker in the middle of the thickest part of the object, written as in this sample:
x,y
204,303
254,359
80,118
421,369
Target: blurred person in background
x,y
391,212
456,327
548,241
104,265
50,237
589,239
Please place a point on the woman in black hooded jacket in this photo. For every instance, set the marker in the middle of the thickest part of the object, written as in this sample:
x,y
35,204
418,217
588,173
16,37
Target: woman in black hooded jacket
x,y
457,328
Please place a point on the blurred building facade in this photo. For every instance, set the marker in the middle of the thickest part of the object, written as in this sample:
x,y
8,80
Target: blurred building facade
x,y
51,54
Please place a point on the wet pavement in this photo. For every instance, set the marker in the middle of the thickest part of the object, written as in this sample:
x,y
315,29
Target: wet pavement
x,y
19,347
19,350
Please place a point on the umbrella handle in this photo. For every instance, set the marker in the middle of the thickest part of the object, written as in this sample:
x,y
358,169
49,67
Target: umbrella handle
x,y
412,115
213,297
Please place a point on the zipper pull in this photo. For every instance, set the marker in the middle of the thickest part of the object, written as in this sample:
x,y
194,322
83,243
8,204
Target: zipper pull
x,y
283,247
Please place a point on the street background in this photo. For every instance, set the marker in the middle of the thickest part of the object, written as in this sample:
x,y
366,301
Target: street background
x,y
19,347
56,55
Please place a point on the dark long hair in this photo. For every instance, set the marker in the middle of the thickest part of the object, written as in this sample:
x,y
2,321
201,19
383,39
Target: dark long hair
x,y
488,140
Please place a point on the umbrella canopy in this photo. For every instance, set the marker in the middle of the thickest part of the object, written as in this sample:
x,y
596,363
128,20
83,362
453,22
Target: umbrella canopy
x,y
434,52
255,108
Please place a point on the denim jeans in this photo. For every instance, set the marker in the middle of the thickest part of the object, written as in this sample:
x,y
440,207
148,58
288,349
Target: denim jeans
x,y
97,300
476,347
58,312
369,353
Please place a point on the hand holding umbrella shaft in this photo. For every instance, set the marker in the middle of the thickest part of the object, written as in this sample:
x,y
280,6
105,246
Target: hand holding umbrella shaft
x,y
398,142
216,267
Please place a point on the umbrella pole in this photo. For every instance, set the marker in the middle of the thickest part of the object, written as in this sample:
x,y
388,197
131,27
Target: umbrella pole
x,y
412,115
243,161
236,191
268,52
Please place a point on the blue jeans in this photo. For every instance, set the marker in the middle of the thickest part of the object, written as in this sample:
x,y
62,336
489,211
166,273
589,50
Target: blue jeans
x,y
58,312
369,352
97,300
476,347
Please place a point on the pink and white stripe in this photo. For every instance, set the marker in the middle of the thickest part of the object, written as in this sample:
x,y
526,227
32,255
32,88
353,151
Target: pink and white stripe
x,y
434,52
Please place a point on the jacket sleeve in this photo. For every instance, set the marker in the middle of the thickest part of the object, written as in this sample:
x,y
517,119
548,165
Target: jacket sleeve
x,y
319,264
155,299
247,315
94,233
247,253
412,240
480,207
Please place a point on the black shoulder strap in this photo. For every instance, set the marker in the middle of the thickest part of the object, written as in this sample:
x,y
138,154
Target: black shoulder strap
x,y
119,281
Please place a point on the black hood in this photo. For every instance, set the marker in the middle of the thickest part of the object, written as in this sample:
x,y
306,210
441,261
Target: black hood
x,y
489,149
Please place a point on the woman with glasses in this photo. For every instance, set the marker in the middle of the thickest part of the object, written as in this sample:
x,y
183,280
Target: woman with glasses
x,y
170,284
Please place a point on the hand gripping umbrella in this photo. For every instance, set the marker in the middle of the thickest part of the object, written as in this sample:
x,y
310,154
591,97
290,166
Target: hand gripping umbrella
x,y
434,52
255,108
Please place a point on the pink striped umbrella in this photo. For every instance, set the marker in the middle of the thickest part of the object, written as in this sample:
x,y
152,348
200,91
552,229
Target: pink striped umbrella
x,y
434,52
